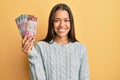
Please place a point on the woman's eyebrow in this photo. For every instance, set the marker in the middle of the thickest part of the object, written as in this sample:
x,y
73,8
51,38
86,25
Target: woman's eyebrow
x,y
56,18
63,18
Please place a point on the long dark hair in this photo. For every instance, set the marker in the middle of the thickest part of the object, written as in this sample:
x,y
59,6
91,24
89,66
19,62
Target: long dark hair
x,y
51,34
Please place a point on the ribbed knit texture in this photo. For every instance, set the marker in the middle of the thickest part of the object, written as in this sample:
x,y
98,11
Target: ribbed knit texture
x,y
58,62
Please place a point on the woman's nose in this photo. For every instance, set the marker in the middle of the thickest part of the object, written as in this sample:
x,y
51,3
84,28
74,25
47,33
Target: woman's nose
x,y
62,23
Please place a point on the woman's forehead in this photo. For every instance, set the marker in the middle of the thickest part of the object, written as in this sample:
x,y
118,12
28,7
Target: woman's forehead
x,y
61,14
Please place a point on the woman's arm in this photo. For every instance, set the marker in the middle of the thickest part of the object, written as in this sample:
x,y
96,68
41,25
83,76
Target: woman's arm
x,y
35,58
37,70
84,72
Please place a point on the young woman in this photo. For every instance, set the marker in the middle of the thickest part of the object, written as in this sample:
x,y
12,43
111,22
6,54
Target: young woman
x,y
59,56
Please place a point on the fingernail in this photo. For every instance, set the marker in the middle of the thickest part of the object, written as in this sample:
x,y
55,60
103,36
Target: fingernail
x,y
25,35
33,38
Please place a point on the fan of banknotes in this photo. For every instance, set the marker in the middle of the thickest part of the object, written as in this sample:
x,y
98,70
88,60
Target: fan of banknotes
x,y
27,25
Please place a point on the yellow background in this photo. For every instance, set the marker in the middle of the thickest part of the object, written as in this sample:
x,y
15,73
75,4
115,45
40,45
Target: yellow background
x,y
97,25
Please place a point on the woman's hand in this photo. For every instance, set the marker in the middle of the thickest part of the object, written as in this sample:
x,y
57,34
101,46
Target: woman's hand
x,y
27,44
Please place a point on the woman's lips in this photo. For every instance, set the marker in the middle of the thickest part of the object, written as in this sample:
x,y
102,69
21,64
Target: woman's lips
x,y
61,29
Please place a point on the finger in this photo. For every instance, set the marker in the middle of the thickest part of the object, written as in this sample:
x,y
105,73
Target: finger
x,y
27,43
25,50
28,48
24,39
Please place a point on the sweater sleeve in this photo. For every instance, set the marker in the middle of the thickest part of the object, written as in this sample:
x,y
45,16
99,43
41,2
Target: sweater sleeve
x,y
37,71
84,72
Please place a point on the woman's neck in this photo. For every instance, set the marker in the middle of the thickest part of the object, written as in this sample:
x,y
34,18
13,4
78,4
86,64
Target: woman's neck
x,y
63,40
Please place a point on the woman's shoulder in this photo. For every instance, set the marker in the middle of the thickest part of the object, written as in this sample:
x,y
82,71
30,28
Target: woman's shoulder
x,y
41,43
78,43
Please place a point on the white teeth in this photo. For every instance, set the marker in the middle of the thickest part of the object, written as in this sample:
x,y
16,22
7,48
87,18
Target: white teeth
x,y
61,30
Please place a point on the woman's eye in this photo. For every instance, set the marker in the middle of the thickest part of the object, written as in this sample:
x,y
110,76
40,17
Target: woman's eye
x,y
56,20
67,20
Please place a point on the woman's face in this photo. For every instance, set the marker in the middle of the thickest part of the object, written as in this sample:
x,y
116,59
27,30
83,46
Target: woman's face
x,y
61,23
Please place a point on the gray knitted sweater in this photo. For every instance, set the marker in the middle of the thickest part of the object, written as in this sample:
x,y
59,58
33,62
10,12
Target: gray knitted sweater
x,y
58,62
